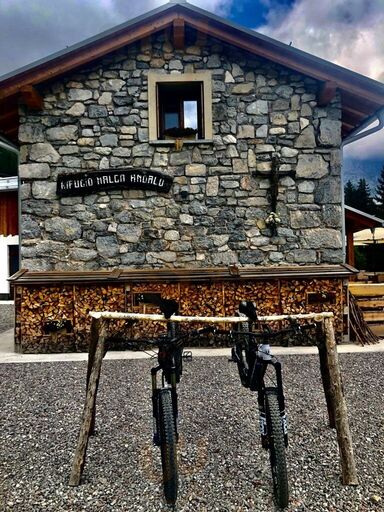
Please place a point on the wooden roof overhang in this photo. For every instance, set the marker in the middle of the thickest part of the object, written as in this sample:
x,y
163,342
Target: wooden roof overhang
x,y
361,97
31,278
356,220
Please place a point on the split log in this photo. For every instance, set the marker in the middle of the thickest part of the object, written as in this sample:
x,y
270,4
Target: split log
x,y
89,406
344,438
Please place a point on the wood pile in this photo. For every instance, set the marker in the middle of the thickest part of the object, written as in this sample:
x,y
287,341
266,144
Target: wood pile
x,y
36,305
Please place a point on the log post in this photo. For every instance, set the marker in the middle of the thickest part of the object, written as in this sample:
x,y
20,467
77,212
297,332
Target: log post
x,y
95,328
325,377
344,438
89,407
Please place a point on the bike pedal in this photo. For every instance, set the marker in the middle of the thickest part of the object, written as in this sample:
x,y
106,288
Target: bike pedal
x,y
187,355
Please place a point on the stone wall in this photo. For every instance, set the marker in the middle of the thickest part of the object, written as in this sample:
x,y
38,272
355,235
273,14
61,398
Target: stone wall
x,y
98,119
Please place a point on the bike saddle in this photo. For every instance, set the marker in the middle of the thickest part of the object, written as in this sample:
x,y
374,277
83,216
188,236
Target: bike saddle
x,y
248,309
168,307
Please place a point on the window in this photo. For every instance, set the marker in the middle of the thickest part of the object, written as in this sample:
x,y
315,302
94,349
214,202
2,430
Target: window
x,y
180,106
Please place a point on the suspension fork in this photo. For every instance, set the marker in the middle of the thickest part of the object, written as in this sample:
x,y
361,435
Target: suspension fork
x,y
155,405
281,399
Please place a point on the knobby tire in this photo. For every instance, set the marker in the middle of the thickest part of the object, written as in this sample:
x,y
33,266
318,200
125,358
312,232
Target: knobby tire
x,y
276,449
168,447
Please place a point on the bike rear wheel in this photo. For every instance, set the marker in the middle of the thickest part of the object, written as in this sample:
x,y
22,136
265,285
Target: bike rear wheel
x,y
168,446
276,448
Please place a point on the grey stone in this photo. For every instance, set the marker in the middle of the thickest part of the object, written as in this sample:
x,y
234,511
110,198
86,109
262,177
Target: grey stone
x,y
246,131
330,133
284,91
96,111
175,64
311,166
79,94
109,140
252,257
62,133
244,88
44,152
44,190
142,150
107,246
114,85
228,78
306,187
258,107
76,110
133,258
304,256
212,188
180,158
31,133
322,238
306,139
304,219
195,170
81,254
34,171
29,227
129,232
287,152
328,191
63,230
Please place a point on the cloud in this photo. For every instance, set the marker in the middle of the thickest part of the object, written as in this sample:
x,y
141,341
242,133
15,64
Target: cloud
x,y
346,32
33,29
371,147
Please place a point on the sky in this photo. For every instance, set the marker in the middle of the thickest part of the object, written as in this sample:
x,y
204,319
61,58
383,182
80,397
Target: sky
x,y
347,32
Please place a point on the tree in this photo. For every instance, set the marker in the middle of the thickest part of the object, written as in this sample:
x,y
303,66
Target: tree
x,y
379,198
364,200
349,193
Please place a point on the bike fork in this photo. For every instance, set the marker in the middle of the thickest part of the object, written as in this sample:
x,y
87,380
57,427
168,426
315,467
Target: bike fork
x,y
155,406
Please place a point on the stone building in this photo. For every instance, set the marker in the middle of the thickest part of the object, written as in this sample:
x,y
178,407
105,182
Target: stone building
x,y
180,141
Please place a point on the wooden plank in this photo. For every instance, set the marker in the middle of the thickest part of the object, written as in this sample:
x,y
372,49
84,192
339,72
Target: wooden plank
x,y
367,290
344,438
88,413
178,34
373,316
370,304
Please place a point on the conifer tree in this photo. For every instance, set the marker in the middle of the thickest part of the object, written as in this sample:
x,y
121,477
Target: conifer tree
x,y
379,198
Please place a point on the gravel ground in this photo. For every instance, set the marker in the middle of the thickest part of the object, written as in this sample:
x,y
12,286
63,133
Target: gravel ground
x,y
7,316
222,467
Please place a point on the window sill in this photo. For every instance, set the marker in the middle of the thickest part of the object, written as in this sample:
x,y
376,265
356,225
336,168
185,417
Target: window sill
x,y
186,142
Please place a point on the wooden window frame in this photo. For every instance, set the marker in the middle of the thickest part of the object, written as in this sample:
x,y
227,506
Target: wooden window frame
x,y
204,77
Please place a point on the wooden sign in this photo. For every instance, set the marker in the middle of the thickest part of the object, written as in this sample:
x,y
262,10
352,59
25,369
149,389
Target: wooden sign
x,y
90,182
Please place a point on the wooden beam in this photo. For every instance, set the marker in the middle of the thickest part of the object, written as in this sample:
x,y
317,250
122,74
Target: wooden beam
x,y
344,438
179,34
350,248
94,369
29,96
326,93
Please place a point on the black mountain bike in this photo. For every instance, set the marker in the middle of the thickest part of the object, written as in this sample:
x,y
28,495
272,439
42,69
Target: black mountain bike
x,y
170,358
252,354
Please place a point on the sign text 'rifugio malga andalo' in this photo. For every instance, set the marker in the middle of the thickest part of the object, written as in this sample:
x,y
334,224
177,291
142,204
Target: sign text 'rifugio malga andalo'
x,y
83,183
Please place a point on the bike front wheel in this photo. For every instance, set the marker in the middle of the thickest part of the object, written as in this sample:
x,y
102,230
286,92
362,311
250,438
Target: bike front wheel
x,y
276,448
168,446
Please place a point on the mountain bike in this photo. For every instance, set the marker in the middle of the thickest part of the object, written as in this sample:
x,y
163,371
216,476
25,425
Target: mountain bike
x,y
170,358
252,353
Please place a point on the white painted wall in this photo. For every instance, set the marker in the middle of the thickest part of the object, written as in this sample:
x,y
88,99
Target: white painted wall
x,y
4,264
